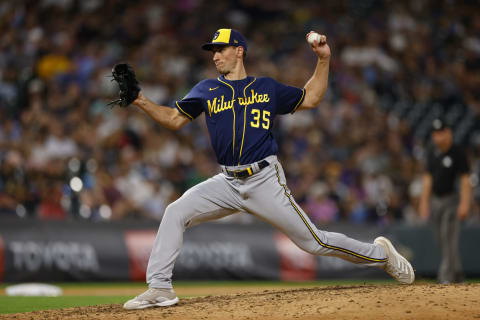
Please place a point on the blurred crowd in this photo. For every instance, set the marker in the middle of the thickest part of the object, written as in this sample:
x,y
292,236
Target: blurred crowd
x,y
358,157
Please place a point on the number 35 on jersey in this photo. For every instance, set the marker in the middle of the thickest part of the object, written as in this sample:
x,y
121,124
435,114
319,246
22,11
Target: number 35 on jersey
x,y
260,117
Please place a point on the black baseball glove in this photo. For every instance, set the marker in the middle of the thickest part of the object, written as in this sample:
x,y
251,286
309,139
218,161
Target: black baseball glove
x,y
124,75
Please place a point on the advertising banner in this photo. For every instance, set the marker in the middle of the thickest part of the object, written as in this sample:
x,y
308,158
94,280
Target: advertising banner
x,y
62,251
84,251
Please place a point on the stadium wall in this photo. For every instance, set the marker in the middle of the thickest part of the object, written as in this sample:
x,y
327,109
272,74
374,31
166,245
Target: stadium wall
x,y
117,251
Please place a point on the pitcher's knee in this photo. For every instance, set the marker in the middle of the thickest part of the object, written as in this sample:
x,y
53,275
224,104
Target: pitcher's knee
x,y
316,245
318,250
312,247
174,213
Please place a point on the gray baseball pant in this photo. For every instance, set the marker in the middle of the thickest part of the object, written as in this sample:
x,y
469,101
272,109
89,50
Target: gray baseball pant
x,y
447,227
265,195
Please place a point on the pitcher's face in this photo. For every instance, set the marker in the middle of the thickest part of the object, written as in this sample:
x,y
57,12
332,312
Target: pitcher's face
x,y
225,58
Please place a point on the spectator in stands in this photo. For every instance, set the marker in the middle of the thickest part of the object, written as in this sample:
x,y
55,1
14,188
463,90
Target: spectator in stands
x,y
320,208
396,64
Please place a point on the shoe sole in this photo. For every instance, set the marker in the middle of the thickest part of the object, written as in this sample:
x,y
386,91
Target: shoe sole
x,y
391,250
159,304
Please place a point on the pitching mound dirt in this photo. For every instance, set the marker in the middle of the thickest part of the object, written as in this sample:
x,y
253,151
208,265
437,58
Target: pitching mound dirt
x,y
421,301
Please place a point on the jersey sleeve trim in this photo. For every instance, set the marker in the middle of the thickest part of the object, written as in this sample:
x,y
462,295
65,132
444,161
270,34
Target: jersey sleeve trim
x,y
299,101
183,112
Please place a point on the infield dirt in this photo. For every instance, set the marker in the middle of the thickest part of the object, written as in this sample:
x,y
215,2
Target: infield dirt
x,y
421,301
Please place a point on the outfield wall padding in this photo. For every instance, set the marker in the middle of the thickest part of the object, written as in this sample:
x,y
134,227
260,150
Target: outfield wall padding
x,y
32,250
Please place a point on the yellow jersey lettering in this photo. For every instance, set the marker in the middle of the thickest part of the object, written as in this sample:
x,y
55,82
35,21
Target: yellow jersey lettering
x,y
211,106
222,105
254,96
266,119
219,104
256,118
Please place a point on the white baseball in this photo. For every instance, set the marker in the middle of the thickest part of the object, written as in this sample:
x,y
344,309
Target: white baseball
x,y
313,36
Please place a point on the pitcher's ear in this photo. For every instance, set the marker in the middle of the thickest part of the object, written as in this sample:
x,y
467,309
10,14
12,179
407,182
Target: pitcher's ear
x,y
241,51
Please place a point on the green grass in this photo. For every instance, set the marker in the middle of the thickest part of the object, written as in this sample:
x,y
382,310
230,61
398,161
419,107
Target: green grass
x,y
190,284
28,304
69,285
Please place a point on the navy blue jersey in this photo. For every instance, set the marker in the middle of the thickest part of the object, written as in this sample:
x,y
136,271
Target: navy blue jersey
x,y
240,115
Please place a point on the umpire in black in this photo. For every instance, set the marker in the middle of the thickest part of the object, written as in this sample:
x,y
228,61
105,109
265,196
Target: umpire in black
x,y
446,194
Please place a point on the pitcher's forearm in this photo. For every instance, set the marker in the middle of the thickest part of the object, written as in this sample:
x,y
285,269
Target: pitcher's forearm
x,y
168,117
316,86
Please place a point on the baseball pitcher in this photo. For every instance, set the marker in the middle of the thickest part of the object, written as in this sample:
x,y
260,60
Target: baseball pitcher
x,y
239,112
